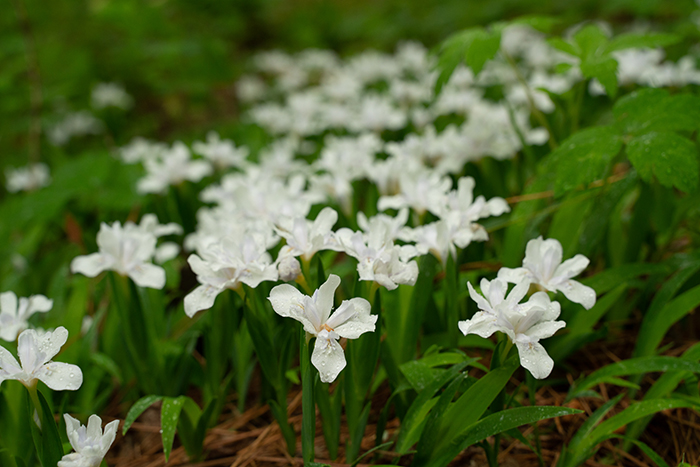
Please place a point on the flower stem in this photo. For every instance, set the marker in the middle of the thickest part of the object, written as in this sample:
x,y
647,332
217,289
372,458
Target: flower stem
x,y
34,396
308,405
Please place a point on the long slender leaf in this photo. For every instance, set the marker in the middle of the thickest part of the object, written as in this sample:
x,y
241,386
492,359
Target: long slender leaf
x,y
169,417
496,423
137,409
52,447
655,326
634,412
413,421
631,367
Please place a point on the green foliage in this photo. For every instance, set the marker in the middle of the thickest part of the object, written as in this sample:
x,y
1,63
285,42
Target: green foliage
x,y
593,48
670,158
473,46
583,158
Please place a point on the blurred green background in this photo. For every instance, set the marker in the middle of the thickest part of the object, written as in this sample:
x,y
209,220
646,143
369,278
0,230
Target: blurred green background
x,y
179,58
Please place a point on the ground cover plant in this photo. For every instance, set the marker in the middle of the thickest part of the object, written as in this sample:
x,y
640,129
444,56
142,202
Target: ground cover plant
x,y
481,252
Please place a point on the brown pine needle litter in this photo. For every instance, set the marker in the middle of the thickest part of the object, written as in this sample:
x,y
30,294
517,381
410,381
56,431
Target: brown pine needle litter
x,y
253,438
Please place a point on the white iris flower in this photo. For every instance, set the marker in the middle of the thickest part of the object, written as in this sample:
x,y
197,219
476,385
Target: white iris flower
x,y
88,441
524,323
543,266
351,319
127,251
14,316
35,352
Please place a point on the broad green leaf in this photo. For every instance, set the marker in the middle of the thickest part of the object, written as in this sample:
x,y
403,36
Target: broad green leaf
x,y
169,417
651,109
631,367
474,46
540,23
604,69
137,409
564,46
582,158
590,40
671,158
496,423
635,40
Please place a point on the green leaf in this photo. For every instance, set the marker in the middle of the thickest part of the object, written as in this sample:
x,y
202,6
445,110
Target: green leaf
x,y
604,69
564,46
413,422
653,455
633,412
540,23
635,40
652,109
308,421
609,279
633,366
496,423
137,409
671,158
52,447
656,324
169,417
590,40
589,425
464,412
582,158
420,373
474,46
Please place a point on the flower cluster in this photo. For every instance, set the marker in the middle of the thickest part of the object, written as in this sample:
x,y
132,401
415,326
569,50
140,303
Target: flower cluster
x,y
29,178
527,323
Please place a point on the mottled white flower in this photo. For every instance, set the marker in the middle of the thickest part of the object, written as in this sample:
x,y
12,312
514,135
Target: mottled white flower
x,y
250,88
141,149
226,265
393,226
421,190
172,167
35,352
221,153
149,224
74,124
543,266
110,95
524,323
304,237
460,211
29,178
288,266
14,316
378,258
88,441
127,251
351,319
437,238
